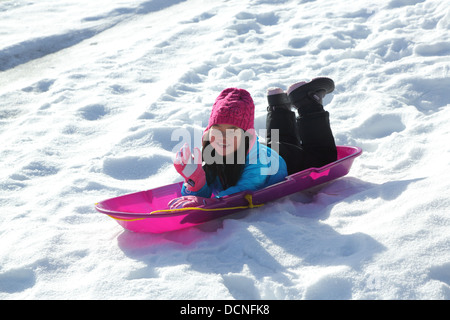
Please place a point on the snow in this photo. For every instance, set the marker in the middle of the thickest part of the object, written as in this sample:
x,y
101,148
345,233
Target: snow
x,y
91,92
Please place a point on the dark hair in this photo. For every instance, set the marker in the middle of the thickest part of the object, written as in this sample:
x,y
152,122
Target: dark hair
x,y
228,172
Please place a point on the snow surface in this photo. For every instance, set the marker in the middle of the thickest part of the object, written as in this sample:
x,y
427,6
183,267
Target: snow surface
x,y
91,91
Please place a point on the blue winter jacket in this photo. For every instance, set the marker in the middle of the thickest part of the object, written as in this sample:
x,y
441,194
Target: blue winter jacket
x,y
263,167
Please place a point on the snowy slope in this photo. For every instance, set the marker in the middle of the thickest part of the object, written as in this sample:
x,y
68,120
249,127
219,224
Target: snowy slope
x,y
91,91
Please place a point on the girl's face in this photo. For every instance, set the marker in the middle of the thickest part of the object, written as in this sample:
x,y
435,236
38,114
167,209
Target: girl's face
x,y
225,138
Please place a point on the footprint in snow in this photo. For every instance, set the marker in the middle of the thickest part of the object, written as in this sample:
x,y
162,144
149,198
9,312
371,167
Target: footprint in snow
x,y
17,280
39,169
240,287
441,273
93,112
40,86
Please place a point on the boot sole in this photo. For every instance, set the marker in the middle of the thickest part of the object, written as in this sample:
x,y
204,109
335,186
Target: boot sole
x,y
316,84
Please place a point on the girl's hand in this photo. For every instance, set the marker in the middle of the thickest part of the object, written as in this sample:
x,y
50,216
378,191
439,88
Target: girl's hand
x,y
190,167
190,201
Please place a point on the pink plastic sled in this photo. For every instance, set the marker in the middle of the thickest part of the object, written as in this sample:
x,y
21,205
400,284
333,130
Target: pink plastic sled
x,y
147,211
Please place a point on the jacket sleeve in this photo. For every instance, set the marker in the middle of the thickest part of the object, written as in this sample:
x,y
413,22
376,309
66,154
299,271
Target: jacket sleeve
x,y
262,165
251,179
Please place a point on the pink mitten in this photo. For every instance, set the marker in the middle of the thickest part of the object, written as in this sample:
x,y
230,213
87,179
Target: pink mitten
x,y
190,167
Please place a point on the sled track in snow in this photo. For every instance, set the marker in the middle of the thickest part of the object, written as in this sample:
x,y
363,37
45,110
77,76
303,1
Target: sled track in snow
x,y
29,50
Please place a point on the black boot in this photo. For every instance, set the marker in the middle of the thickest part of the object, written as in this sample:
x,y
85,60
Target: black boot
x,y
277,99
307,97
280,117
313,123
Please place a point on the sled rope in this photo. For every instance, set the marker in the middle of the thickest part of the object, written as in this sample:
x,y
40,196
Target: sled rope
x,y
247,197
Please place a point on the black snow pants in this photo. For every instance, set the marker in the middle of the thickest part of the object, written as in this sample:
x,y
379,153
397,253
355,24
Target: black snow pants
x,y
304,142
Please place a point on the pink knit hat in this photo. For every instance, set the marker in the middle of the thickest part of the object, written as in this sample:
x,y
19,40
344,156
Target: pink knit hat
x,y
235,107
